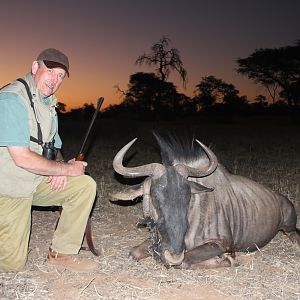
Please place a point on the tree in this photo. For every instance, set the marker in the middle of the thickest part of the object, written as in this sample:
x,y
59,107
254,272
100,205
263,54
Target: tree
x,y
211,91
76,114
165,60
260,105
143,90
273,69
149,97
61,107
261,100
88,110
207,92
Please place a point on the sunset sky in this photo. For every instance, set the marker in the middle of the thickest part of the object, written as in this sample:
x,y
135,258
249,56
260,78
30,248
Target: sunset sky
x,y
104,38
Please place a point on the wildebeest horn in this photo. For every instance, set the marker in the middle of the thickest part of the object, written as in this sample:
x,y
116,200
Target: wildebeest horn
x,y
145,170
213,163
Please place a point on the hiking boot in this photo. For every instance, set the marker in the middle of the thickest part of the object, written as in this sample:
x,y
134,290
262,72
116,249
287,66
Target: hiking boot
x,y
72,262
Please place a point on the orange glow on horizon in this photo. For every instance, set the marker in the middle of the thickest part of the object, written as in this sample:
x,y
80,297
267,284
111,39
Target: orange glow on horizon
x,y
210,37
78,90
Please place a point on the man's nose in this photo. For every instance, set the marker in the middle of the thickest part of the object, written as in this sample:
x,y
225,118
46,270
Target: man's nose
x,y
54,78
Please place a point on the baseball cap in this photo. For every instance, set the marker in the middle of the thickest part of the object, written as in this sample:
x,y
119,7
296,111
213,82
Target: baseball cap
x,y
54,58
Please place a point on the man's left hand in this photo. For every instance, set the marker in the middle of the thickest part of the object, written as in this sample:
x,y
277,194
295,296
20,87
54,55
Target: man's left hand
x,y
57,183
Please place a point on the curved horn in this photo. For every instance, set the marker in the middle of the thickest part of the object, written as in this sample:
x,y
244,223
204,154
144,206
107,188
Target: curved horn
x,y
145,170
213,164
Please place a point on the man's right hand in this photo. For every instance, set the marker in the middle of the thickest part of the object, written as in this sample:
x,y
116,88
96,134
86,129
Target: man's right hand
x,y
76,168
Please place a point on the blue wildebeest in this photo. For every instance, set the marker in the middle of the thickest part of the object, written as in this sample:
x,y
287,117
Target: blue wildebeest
x,y
200,213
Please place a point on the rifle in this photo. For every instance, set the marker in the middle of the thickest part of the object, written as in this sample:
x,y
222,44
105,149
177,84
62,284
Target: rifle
x,y
80,157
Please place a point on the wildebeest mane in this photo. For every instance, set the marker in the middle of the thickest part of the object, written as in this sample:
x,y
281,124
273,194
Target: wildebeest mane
x,y
178,148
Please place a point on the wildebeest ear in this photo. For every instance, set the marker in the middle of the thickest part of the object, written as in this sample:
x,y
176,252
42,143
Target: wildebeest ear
x,y
197,188
129,193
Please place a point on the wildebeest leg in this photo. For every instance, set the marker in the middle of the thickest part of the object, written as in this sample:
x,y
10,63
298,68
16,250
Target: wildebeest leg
x,y
141,251
290,221
207,256
212,263
294,236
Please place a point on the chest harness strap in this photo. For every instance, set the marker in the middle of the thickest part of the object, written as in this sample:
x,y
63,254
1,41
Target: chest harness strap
x,y
38,140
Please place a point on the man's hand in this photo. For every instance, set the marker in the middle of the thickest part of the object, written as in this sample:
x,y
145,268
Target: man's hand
x,y
57,183
77,167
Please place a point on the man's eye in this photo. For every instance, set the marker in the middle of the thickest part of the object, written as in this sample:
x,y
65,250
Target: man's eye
x,y
61,75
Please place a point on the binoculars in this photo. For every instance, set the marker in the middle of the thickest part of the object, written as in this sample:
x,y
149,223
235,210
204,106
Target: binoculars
x,y
49,151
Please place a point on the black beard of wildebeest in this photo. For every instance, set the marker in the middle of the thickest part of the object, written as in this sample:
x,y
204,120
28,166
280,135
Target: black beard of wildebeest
x,y
199,214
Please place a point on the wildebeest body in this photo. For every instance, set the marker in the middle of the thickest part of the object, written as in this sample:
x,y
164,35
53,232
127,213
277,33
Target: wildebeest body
x,y
202,213
246,214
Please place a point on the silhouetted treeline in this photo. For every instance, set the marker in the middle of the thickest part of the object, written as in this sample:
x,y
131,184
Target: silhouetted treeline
x,y
171,105
151,97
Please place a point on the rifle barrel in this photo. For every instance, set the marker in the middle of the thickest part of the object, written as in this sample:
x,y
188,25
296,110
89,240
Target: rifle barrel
x,y
99,104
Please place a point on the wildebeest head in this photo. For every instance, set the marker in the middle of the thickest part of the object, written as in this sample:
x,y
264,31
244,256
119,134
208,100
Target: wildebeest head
x,y
167,192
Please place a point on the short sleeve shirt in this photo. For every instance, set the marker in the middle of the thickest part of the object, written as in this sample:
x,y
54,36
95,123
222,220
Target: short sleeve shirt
x,y
14,129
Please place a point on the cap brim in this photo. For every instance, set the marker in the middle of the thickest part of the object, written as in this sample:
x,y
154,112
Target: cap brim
x,y
52,64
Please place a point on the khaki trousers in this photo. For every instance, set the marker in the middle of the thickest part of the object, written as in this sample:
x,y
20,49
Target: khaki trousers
x,y
15,220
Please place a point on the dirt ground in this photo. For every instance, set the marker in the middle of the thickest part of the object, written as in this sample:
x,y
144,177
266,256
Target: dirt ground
x,y
272,272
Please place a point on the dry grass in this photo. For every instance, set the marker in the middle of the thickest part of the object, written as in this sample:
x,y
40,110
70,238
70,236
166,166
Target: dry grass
x,y
265,152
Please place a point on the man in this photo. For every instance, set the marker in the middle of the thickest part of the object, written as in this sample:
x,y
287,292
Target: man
x,y
28,122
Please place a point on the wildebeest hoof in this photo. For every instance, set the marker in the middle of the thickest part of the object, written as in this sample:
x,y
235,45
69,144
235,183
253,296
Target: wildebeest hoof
x,y
185,265
136,254
232,261
141,251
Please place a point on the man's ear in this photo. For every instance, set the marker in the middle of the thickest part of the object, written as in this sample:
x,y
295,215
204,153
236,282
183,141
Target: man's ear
x,y
34,67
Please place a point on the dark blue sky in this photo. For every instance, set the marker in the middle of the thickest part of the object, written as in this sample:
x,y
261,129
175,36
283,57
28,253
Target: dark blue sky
x,y
104,38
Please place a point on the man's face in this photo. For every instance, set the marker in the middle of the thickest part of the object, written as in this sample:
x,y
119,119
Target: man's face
x,y
47,80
